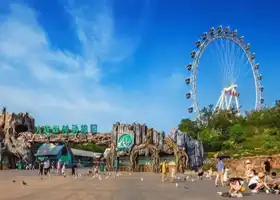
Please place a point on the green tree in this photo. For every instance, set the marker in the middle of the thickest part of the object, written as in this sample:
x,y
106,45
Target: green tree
x,y
190,127
236,133
255,132
211,140
206,115
221,121
88,147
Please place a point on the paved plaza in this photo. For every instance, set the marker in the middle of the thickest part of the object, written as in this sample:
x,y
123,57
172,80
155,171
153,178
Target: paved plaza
x,y
125,187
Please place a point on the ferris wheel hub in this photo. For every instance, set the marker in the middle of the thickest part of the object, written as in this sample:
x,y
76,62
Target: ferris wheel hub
x,y
232,87
229,99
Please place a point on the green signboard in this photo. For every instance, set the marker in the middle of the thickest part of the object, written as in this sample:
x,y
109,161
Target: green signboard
x,y
65,129
125,141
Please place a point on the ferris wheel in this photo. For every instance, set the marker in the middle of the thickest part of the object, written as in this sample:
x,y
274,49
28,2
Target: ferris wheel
x,y
227,43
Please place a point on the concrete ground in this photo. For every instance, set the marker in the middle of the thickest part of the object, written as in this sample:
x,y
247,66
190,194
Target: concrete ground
x,y
125,187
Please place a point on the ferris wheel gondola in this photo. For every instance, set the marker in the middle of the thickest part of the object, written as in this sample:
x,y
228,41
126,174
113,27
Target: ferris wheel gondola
x,y
229,94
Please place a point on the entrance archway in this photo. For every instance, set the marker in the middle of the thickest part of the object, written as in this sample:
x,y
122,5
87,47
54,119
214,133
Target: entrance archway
x,y
154,156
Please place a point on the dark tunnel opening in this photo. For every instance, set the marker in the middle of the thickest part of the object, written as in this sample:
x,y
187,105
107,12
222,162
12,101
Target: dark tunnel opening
x,y
21,128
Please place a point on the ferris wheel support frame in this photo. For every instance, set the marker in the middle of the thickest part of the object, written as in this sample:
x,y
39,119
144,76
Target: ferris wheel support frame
x,y
208,38
224,103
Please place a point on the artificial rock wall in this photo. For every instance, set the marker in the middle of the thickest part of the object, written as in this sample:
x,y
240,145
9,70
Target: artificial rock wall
x,y
193,147
141,135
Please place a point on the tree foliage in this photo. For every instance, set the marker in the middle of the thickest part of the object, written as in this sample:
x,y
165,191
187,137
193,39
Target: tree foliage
x,y
225,131
88,147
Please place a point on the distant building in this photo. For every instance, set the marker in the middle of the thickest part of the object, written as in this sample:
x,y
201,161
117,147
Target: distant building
x,y
69,156
85,158
54,153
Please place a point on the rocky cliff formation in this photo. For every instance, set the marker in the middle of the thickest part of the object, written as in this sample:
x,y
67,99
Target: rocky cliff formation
x,y
148,142
13,143
194,148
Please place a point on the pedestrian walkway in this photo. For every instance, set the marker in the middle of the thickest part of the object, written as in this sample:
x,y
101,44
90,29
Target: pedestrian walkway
x,y
136,186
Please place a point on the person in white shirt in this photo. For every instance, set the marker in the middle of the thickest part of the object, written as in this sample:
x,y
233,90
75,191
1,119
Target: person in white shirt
x,y
63,169
46,166
253,181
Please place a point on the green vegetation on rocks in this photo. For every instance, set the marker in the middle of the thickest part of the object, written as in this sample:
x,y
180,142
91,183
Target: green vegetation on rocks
x,y
255,133
88,147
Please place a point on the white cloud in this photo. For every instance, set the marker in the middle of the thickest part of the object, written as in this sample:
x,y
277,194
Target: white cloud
x,y
59,87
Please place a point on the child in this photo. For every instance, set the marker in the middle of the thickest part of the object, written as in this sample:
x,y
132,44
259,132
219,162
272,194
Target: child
x,y
58,167
74,167
63,169
173,171
210,173
96,170
200,173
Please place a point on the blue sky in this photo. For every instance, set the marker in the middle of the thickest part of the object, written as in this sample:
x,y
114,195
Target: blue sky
x,y
83,62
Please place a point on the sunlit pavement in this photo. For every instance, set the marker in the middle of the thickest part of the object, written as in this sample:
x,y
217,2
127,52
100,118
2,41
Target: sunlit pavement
x,y
124,187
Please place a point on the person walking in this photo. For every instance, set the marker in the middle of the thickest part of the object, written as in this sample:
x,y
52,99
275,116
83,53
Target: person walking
x,y
74,167
58,167
46,166
41,168
163,170
220,171
53,167
63,169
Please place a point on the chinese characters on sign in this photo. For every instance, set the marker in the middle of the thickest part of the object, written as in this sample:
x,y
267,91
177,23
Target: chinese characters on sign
x,y
66,130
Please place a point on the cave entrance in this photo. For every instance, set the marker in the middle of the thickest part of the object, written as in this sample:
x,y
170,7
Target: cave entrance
x,y
124,163
145,163
21,128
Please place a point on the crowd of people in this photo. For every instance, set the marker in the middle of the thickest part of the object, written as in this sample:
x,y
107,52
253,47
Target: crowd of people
x,y
58,168
265,180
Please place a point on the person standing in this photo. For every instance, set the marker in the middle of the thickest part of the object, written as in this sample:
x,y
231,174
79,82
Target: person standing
x,y
267,166
163,170
248,170
53,167
78,167
74,167
79,163
220,171
41,168
63,169
46,166
58,167
116,165
19,165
